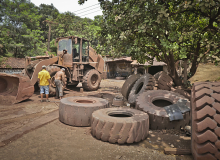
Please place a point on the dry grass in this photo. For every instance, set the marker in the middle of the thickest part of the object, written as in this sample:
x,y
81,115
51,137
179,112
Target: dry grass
x,y
206,72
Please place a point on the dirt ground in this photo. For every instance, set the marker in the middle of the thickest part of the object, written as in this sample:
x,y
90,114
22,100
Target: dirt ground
x,y
59,141
206,72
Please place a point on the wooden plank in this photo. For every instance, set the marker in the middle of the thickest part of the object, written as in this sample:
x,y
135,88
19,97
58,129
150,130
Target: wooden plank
x,y
177,151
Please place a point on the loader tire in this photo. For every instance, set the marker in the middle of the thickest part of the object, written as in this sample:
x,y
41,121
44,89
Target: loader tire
x,y
120,125
77,111
145,82
52,87
205,106
91,80
128,84
158,117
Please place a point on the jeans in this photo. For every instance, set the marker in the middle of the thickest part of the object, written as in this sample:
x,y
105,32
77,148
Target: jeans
x,y
44,88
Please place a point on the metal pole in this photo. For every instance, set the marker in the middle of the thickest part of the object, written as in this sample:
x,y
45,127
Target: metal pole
x,y
48,46
80,52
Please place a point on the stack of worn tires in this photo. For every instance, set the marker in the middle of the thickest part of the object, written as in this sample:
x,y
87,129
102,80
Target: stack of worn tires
x,y
126,125
114,125
205,109
144,91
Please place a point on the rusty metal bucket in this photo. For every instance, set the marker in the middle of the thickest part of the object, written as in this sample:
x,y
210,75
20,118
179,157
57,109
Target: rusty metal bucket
x,y
14,88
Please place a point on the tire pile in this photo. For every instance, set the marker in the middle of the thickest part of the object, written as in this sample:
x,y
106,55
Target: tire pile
x,y
126,125
143,91
114,125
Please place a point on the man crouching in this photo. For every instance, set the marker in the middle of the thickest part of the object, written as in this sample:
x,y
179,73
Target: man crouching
x,y
59,77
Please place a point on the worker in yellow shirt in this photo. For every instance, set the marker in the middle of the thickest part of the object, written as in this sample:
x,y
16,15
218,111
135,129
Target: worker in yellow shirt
x,y
44,79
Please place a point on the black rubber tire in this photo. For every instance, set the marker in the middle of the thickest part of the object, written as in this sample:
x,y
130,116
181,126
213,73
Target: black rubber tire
x,y
157,75
52,87
145,82
158,116
77,111
181,92
89,84
117,129
128,84
205,104
165,82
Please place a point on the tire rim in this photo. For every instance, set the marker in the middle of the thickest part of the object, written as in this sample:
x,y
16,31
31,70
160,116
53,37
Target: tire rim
x,y
87,101
161,102
120,114
52,82
94,79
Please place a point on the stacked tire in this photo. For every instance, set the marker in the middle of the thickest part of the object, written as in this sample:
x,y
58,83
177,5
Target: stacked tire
x,y
137,84
77,111
120,125
158,117
163,80
205,106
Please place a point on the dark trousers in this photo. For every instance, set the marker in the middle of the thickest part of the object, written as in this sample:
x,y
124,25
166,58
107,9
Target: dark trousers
x,y
59,88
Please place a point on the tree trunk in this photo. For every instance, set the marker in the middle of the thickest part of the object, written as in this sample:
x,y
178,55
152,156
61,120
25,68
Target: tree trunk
x,y
15,52
185,71
172,69
195,63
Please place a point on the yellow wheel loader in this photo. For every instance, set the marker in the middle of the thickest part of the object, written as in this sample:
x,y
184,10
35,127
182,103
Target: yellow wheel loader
x,y
81,63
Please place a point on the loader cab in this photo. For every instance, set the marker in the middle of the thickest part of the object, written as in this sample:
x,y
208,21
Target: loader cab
x,y
77,50
80,45
65,58
85,51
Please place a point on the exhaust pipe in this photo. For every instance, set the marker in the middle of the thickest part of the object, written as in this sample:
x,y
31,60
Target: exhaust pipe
x,y
14,88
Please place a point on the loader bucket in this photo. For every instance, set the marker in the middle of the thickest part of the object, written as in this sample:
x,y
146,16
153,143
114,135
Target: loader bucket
x,y
14,88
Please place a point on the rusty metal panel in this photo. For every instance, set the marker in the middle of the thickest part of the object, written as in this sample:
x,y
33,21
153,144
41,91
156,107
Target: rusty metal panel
x,y
74,73
38,68
100,64
14,88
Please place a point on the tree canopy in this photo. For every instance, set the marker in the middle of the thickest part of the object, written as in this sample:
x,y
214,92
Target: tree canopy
x,y
166,30
24,31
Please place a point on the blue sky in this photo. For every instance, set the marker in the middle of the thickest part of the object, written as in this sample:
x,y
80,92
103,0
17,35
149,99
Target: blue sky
x,y
89,9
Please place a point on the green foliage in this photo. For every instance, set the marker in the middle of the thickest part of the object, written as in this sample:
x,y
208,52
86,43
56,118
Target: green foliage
x,y
24,31
165,30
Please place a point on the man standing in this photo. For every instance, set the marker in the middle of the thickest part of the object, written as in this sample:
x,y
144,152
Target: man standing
x,y
59,77
44,78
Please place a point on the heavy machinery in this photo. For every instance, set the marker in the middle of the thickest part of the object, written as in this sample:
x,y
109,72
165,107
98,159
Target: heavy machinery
x,y
80,61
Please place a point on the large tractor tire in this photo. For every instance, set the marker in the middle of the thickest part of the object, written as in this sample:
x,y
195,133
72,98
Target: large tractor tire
x,y
120,125
157,75
145,82
152,102
91,80
77,111
52,87
128,84
205,105
164,81
181,92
